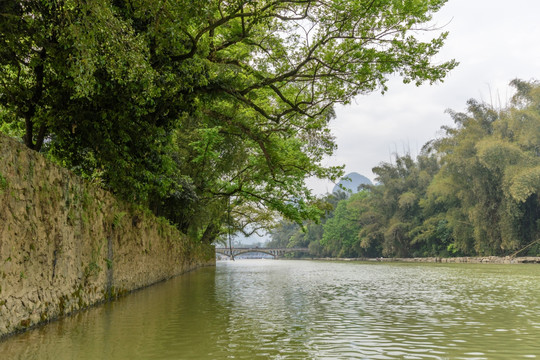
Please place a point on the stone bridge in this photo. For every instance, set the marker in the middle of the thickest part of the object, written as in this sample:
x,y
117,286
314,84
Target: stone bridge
x,y
275,252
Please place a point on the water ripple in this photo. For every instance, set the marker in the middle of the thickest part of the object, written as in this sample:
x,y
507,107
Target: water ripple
x,y
308,310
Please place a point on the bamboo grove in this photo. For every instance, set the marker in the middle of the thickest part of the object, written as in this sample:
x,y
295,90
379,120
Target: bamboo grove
x,y
473,192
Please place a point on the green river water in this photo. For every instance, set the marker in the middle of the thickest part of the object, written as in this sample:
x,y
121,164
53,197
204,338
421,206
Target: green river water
x,y
285,309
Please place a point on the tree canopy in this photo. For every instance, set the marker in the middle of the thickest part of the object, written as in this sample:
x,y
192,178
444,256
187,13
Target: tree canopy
x,y
474,191
203,110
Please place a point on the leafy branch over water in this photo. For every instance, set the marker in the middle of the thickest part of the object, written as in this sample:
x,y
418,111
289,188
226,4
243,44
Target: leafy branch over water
x,y
188,106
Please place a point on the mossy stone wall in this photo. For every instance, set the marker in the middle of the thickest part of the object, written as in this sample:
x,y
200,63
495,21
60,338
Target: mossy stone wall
x,y
66,245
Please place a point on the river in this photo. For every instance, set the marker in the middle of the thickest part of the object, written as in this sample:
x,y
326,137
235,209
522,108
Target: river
x,y
286,309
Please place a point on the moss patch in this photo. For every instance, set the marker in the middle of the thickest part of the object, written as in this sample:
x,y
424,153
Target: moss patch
x,y
3,183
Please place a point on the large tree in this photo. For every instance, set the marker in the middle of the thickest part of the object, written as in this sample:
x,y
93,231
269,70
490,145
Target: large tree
x,y
221,103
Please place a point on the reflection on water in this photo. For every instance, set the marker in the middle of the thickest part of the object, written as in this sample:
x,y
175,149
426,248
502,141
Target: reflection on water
x,y
265,309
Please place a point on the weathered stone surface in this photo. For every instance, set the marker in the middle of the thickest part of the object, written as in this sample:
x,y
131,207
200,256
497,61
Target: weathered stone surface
x,y
65,244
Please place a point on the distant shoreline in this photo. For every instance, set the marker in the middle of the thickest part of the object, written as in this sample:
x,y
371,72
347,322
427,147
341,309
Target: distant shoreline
x,y
454,260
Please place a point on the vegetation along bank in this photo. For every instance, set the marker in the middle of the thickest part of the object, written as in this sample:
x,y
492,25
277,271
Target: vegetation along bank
x,y
473,192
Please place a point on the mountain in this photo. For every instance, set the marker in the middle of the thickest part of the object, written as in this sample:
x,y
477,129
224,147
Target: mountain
x,y
355,181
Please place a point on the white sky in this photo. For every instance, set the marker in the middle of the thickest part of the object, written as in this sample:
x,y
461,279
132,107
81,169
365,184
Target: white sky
x,y
495,41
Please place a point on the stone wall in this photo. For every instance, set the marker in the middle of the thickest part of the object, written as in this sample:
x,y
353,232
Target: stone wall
x,y
66,245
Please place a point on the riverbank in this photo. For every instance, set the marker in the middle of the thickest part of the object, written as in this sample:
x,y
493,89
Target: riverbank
x,y
465,259
66,245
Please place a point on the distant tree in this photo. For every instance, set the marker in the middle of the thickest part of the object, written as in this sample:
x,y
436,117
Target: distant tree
x,y
341,232
309,233
282,234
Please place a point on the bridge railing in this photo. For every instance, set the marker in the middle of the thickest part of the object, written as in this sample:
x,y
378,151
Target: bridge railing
x,y
275,252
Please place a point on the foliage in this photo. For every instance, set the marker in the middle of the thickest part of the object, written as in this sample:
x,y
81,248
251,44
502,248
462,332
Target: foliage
x,y
3,183
310,233
208,112
475,191
490,164
340,236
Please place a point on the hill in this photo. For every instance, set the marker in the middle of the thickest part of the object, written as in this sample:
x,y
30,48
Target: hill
x,y
355,181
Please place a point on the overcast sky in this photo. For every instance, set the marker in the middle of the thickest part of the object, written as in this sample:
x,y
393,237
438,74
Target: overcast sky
x,y
495,41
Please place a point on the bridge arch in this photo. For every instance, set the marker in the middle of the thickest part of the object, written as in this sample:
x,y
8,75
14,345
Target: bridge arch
x,y
274,252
